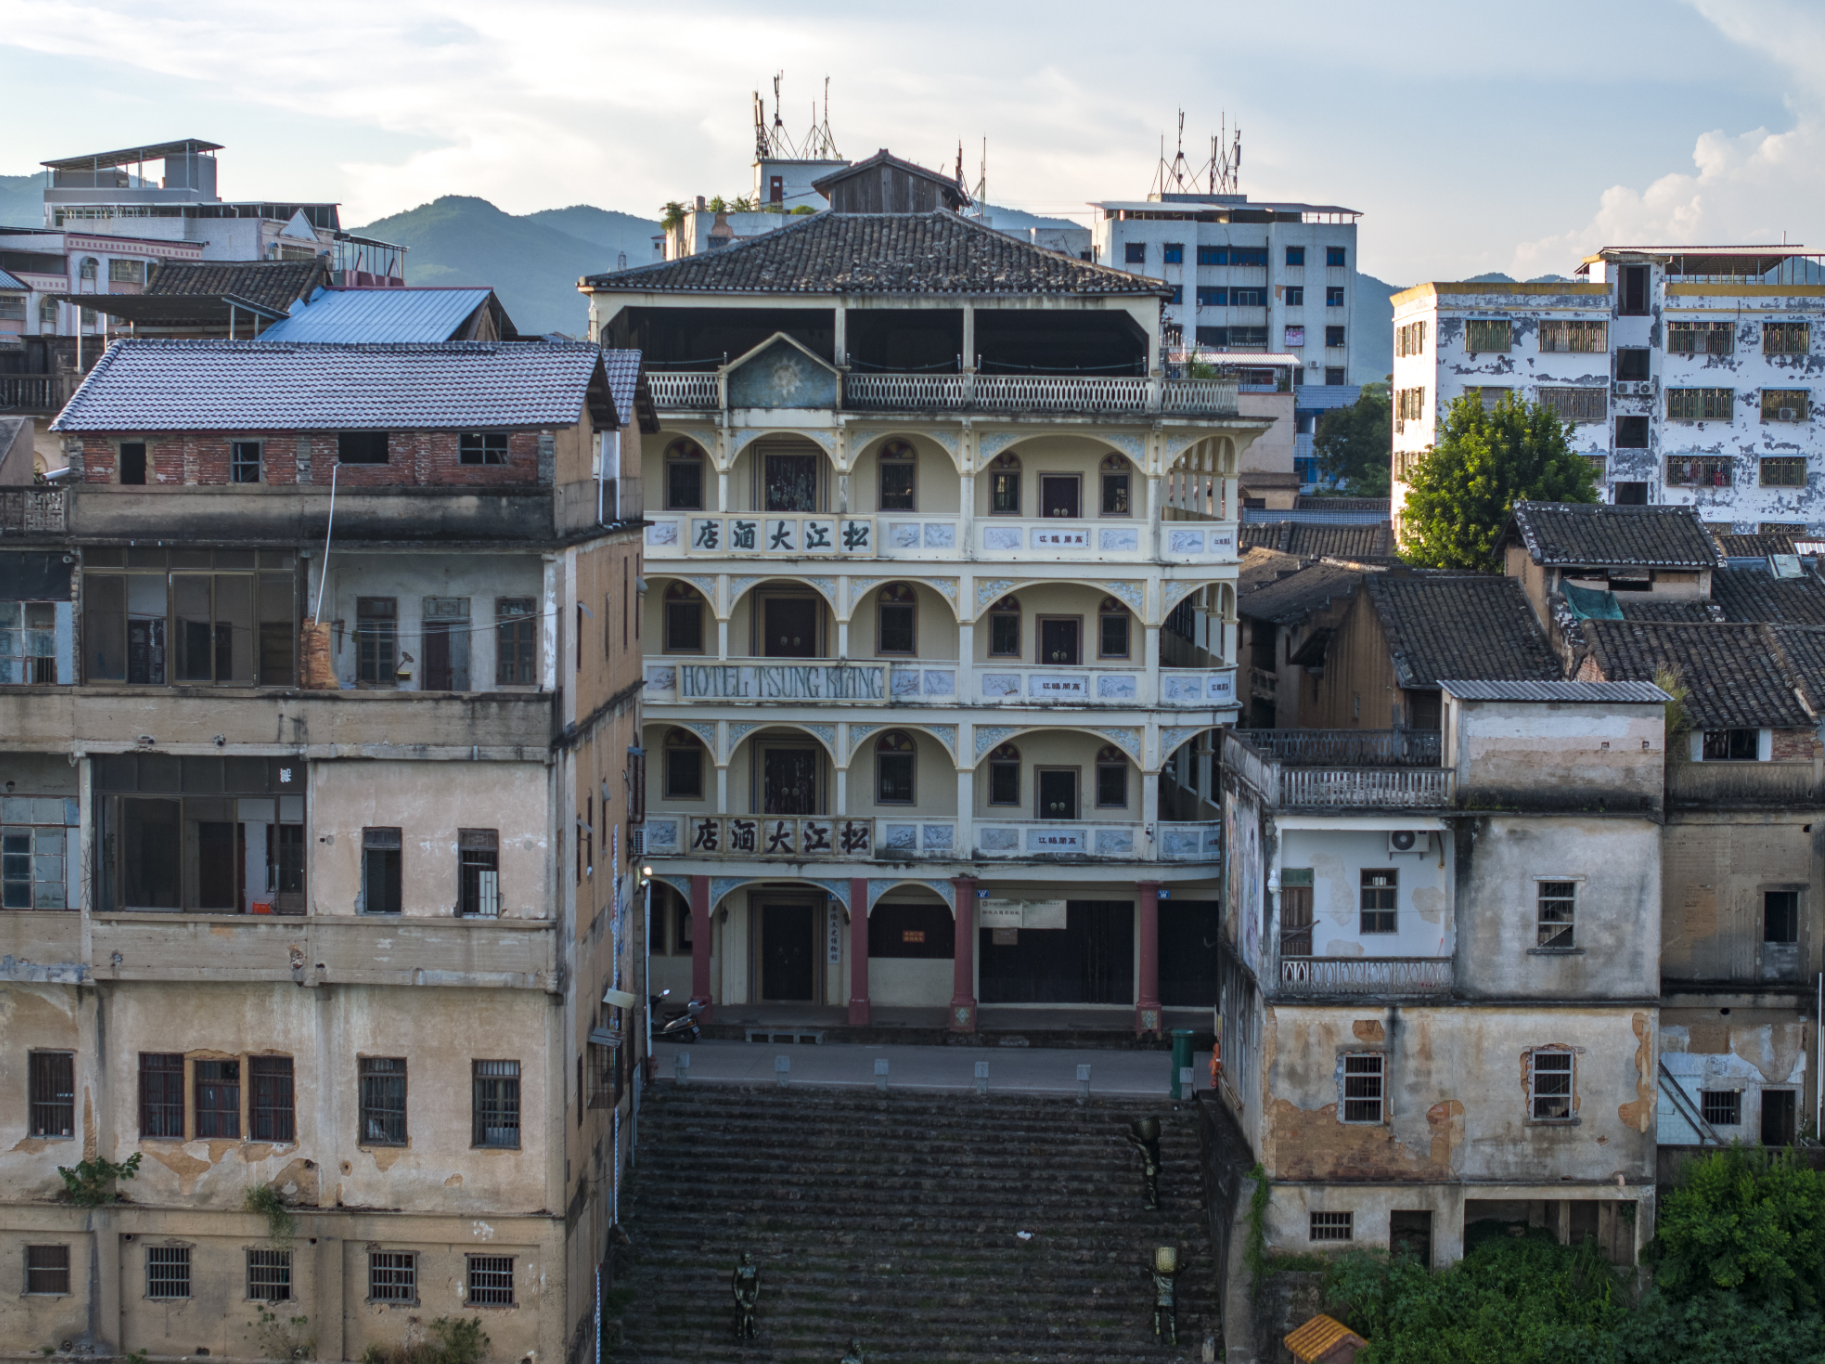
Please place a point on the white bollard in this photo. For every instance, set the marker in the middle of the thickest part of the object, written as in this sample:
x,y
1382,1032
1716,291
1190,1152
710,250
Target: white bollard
x,y
782,1067
982,1077
1083,1083
681,1066
880,1075
1186,1083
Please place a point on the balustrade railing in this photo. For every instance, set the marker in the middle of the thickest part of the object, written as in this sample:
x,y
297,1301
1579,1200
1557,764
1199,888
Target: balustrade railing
x,y
1399,788
1347,747
1350,768
38,393
29,511
1115,396
683,389
1365,975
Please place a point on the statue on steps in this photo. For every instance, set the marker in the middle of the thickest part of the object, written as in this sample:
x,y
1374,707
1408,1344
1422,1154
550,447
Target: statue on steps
x,y
745,1284
1144,1137
1165,1305
855,1352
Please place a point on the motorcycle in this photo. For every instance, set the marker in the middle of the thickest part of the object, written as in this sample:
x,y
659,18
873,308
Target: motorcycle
x,y
680,1026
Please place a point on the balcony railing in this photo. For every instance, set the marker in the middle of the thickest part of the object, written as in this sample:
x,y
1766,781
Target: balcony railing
x,y
1365,975
907,536
1382,780
1012,393
806,838
31,511
38,394
1400,788
1744,783
931,682
1346,747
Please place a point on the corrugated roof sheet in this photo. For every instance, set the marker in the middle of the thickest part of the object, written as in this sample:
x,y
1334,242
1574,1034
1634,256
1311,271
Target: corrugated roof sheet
x,y
1577,534
380,315
879,253
1318,1338
1460,625
149,385
8,282
1633,692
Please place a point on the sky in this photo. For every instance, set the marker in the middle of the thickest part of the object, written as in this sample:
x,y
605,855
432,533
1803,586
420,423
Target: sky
x,y
1472,137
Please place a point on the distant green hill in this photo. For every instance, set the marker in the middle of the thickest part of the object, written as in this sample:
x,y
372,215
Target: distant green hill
x,y
22,200
531,263
1374,329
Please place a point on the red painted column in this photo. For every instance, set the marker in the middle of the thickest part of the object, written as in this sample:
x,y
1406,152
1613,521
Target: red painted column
x,y
700,945
1147,1006
963,957
858,952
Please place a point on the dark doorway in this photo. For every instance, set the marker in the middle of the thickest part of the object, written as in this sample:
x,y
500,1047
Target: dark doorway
x,y
1058,495
791,483
1631,494
438,673
1778,1110
1059,640
149,872
789,628
1058,793
133,461
788,781
786,953
1634,292
216,842
1410,1233
1188,953
1089,961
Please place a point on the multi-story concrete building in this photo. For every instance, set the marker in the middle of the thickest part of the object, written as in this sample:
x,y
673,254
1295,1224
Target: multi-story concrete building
x,y
1682,373
319,744
1440,975
1243,276
937,625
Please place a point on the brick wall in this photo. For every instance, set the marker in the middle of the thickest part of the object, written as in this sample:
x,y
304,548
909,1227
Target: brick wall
x,y
1796,745
415,458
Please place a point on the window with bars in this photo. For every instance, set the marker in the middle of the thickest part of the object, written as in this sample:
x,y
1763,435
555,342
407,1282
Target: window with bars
x,y
1577,406
1786,338
274,1114
490,1281
269,1275
28,654
1700,404
1380,895
1410,339
478,854
1784,471
47,1269
1786,404
392,1276
1557,902
1332,1226
51,1082
161,1094
1574,338
1550,1083
496,1104
1711,471
1701,338
167,1271
383,1101
1483,335
1362,1087
218,1098
1721,1107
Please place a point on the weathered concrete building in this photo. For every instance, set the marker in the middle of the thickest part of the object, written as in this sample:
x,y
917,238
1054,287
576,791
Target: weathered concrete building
x,y
319,741
1441,969
1684,374
936,622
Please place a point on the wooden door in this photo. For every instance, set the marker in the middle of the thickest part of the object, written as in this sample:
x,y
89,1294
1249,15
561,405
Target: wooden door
x,y
1296,921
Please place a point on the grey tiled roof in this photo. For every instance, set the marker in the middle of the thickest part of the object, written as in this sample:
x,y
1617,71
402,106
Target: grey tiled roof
x,y
272,284
1736,675
1261,566
879,253
147,385
1756,546
1344,542
1292,598
1459,625
1690,610
1755,594
1577,534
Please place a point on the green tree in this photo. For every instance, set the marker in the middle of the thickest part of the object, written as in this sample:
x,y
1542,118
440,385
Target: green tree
x,y
1353,443
1745,1221
1462,490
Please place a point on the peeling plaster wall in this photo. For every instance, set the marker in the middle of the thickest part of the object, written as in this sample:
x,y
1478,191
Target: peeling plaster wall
x,y
1717,867
1605,756
1337,859
1746,1050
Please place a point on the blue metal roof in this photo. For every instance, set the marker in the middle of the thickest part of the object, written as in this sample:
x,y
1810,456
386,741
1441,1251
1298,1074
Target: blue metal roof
x,y
8,282
395,316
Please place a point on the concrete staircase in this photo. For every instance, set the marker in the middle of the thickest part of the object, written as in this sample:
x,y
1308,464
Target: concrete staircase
x,y
894,1218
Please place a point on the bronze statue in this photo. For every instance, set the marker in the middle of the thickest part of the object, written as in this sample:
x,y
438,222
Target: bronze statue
x,y
1144,1137
1165,1305
855,1352
745,1284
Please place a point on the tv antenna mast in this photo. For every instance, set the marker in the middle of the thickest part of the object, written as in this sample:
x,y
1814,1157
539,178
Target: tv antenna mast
x,y
1226,159
1221,173
773,143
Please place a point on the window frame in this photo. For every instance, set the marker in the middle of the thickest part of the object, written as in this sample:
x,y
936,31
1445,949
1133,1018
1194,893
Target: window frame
x,y
1700,405
497,1094
1536,1097
37,1252
383,839
219,1080
401,1290
1355,1067
897,454
516,629
479,449
1799,402
1364,909
677,454
272,1104
1336,257
688,600
1112,610
672,747
1786,330
360,447
1687,336
239,465
1134,253
51,1093
999,762
377,642
366,1069
1111,761
169,1259
1334,296
909,604
1004,473
909,755
1482,330
1295,256
1781,464
1172,253
478,1294
272,1262
1701,471
1005,609
1117,475
161,1108
478,853
1555,934
1331,1229
1295,296
1721,1107
1335,338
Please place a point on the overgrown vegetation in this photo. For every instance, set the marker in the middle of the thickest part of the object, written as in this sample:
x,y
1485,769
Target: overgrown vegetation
x,y
284,1337
1462,490
281,1225
90,1183
1353,443
448,1340
1739,1276
1678,718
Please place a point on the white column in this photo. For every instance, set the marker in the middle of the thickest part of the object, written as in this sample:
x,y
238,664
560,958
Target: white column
x,y
841,340
966,661
722,492
966,519
722,639
969,338
722,789
842,639
1150,684
842,793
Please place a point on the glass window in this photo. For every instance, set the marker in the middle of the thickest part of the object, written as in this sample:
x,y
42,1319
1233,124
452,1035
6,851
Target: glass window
x,y
1701,338
1004,629
361,447
1004,776
1380,889
895,757
1295,298
1111,779
496,1104
683,476
244,461
684,756
1551,1074
1557,902
392,1276
1333,255
268,1275
1786,338
89,267
481,447
1700,404
167,1271
1786,404
51,1080
1333,298
1333,337
1731,745
683,620
47,1269
1004,487
161,1095
790,482
899,469
1781,916
1118,486
1295,255
1362,1087
517,634
478,866
383,1101
377,641
1113,632
1134,253
1173,253
273,1116
380,871
897,621
218,1099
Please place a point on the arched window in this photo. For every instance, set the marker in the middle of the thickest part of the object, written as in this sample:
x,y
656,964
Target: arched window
x,y
47,313
89,268
1004,486
1114,637
684,476
684,765
896,616
1118,486
1111,778
894,758
1004,776
899,476
1004,628
684,623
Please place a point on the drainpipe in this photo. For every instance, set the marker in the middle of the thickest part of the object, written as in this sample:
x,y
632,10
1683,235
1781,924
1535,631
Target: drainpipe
x,y
323,574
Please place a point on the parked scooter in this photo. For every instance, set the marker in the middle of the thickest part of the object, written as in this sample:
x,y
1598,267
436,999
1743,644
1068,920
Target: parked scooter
x,y
675,1027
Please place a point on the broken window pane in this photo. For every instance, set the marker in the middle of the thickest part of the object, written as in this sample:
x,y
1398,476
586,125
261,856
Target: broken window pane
x,y
1552,1085
383,1101
380,871
1557,901
479,870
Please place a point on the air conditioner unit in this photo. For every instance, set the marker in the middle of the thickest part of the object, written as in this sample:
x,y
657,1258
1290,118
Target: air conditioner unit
x,y
1644,390
636,842
1788,414
1408,841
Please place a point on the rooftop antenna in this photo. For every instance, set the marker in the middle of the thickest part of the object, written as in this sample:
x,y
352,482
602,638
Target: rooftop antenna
x,y
1175,176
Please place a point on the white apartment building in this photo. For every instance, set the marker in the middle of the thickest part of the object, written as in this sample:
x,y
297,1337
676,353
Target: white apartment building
x,y
1244,276
1684,373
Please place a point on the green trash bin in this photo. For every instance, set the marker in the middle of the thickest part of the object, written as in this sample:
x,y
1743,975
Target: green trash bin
x,y
1181,1061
